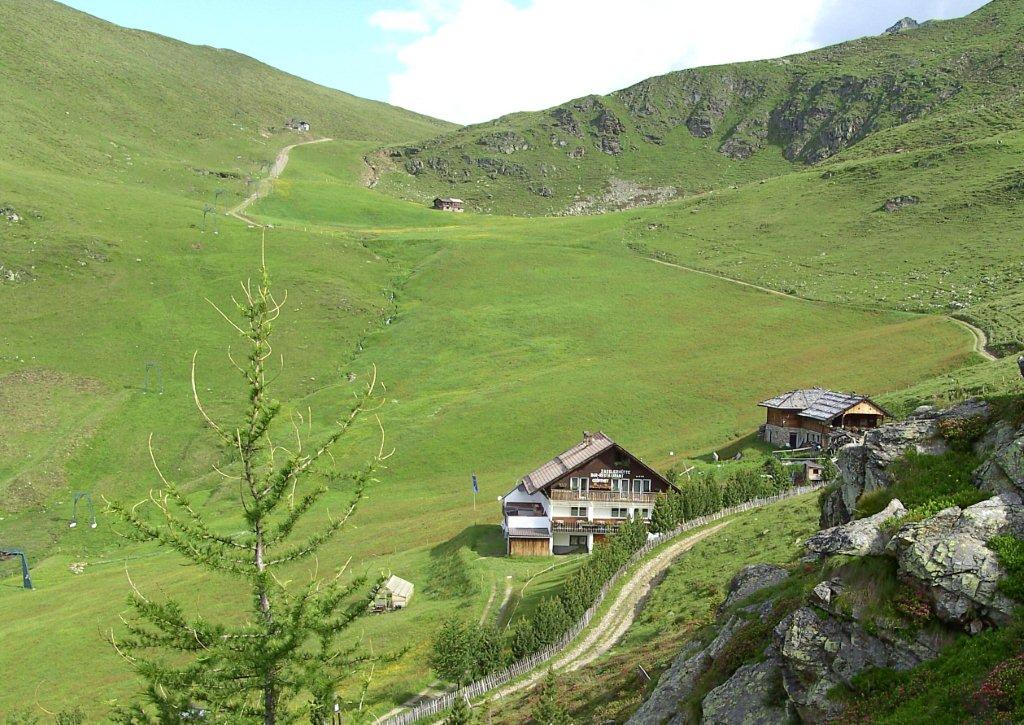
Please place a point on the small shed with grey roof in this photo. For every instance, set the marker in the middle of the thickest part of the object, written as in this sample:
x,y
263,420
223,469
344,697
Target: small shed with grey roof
x,y
811,416
449,203
394,593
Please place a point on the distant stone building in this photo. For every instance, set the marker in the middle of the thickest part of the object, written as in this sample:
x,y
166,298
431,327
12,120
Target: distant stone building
x,y
449,203
814,416
395,593
297,124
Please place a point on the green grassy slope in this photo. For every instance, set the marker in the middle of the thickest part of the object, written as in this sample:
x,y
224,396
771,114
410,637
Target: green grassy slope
x,y
506,337
499,338
695,130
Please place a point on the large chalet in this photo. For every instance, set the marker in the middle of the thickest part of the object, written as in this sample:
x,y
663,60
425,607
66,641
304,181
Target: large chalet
x,y
578,498
813,417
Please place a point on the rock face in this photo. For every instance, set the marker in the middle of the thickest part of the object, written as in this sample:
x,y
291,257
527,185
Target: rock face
x,y
748,697
862,465
819,653
678,681
1004,469
901,25
753,578
863,537
948,554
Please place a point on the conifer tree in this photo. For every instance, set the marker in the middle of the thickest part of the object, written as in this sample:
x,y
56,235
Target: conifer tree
x,y
451,657
460,713
663,516
548,710
278,658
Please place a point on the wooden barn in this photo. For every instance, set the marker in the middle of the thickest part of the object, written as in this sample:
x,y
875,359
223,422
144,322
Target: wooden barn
x,y
812,416
395,593
449,203
578,498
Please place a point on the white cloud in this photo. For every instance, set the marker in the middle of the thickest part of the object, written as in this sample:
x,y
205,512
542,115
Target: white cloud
x,y
486,58
405,21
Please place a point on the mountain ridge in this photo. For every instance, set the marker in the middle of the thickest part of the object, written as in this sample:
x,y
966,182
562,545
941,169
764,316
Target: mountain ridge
x,y
705,128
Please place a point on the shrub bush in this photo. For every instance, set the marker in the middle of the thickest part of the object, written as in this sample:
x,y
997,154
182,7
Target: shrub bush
x,y
1010,550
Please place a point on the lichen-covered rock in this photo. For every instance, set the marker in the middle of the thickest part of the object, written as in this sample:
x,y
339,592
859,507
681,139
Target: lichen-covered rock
x,y
749,697
675,684
817,653
678,681
506,142
948,554
863,537
862,465
753,578
1003,471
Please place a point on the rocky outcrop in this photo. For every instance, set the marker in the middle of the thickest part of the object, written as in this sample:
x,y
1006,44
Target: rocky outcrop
x,y
506,142
751,579
901,25
863,537
1003,471
895,203
862,465
818,653
675,684
748,697
947,553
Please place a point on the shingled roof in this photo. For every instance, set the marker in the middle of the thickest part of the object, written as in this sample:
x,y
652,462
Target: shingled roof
x,y
817,403
831,404
593,445
794,399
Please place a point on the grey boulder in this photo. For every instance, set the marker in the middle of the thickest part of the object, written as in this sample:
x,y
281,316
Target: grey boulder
x,y
753,578
863,537
948,554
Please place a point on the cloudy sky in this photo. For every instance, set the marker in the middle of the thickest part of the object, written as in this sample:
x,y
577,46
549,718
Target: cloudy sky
x,y
472,60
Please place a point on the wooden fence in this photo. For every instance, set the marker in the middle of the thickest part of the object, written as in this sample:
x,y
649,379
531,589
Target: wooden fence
x,y
525,665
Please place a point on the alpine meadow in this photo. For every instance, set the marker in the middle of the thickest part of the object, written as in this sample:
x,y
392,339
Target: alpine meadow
x,y
253,384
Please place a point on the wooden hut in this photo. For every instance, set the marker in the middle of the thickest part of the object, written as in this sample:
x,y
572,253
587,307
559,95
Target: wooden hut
x,y
395,593
448,203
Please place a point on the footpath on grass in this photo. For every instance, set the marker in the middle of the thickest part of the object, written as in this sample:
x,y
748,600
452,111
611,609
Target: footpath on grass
x,y
980,336
266,184
566,653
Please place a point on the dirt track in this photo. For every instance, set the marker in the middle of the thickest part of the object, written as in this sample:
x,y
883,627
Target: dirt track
x,y
264,186
607,629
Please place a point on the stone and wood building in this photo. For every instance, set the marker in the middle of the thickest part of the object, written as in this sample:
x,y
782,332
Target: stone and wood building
x,y
578,498
814,417
449,203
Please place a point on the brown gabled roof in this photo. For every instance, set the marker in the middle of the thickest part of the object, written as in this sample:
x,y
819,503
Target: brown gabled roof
x,y
592,445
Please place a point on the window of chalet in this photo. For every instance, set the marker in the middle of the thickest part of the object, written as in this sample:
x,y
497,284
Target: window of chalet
x,y
619,513
578,511
642,485
578,483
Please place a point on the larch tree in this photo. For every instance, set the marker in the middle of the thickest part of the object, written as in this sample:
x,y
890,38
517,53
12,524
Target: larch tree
x,y
280,657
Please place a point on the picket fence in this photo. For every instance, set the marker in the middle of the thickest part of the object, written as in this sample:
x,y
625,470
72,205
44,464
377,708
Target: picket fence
x,y
525,665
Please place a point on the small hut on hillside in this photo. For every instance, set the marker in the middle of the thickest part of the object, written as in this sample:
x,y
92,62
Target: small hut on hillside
x,y
449,203
395,593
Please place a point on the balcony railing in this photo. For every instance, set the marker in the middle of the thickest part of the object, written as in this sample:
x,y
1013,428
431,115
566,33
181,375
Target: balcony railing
x,y
561,494
586,526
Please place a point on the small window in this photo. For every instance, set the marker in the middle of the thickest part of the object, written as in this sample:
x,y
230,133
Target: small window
x,y
578,483
578,541
578,511
620,513
642,485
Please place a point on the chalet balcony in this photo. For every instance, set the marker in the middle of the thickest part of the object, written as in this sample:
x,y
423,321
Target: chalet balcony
x,y
561,494
577,525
